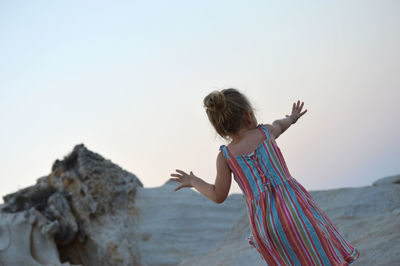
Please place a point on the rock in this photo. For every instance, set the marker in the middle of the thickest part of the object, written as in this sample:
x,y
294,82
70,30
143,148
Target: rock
x,y
22,242
89,211
389,180
58,217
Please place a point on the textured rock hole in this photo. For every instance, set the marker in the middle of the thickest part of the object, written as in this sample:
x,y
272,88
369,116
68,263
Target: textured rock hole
x,y
70,253
145,237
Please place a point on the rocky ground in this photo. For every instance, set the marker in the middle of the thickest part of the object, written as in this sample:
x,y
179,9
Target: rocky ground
x,y
90,211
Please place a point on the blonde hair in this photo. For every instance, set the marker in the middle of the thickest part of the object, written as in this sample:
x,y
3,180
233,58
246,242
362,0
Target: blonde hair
x,y
226,110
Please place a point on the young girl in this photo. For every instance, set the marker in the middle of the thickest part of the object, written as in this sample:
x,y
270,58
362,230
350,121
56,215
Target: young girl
x,y
287,226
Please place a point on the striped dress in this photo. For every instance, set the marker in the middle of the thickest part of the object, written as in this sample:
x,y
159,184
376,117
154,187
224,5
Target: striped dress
x,y
287,227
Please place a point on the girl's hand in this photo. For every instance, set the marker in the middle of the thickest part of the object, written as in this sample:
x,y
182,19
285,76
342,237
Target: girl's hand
x,y
296,111
184,179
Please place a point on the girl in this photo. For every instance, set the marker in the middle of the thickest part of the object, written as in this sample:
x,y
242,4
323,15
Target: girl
x,y
287,226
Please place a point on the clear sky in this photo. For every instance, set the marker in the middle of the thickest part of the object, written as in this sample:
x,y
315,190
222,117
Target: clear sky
x,y
128,78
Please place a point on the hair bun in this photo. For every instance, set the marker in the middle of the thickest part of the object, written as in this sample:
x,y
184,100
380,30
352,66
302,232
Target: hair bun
x,y
215,102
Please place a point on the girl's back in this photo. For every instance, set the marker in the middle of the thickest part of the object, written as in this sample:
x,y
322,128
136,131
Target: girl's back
x,y
259,167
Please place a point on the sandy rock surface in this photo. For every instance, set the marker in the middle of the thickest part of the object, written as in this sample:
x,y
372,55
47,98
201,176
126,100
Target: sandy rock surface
x,y
90,211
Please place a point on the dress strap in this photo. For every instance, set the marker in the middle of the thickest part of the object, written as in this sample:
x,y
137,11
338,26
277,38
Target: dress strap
x,y
265,131
224,151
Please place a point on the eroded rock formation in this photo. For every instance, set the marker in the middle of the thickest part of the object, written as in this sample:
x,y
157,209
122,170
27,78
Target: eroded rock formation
x,y
63,212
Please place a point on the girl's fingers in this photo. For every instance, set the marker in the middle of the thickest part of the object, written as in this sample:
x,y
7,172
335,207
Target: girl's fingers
x,y
299,106
303,112
182,172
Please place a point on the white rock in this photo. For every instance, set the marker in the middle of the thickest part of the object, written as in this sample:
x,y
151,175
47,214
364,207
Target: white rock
x,y
89,211
389,180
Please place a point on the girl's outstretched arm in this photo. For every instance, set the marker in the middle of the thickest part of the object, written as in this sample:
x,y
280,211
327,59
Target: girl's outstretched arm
x,y
218,192
279,126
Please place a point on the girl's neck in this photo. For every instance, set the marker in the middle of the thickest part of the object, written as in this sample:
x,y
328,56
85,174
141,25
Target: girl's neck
x,y
242,132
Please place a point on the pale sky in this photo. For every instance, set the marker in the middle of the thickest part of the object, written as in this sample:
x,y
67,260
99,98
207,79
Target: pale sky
x,y
128,78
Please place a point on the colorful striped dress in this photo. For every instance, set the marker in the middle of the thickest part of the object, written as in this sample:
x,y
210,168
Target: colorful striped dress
x,y
287,227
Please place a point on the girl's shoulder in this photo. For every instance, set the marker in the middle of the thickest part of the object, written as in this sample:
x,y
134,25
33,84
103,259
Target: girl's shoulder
x,y
272,131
